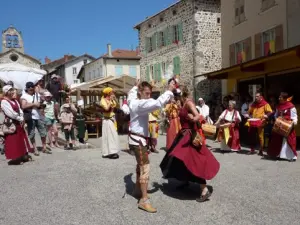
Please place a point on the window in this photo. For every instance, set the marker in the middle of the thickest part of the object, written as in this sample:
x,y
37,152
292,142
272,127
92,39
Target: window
x,y
74,70
151,72
118,70
177,34
132,71
240,55
94,74
161,36
98,74
101,71
85,61
90,75
268,42
164,68
267,4
75,81
150,44
176,65
239,12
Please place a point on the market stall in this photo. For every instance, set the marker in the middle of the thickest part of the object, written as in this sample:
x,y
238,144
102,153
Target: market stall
x,y
91,92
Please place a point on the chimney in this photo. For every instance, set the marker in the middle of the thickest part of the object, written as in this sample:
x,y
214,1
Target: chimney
x,y
137,50
47,60
109,50
66,58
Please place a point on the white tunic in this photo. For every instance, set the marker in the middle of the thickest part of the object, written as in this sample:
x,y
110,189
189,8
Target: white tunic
x,y
286,151
139,113
203,110
8,111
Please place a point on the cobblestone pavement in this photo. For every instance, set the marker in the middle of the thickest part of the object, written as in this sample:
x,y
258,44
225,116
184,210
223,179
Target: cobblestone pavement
x,y
79,187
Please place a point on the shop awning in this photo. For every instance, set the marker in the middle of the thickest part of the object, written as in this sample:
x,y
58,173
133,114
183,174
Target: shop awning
x,y
255,65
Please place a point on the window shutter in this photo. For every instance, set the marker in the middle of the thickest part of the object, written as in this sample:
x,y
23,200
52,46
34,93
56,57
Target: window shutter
x,y
146,45
154,41
258,45
174,66
159,72
147,74
158,39
167,36
232,54
279,38
247,45
180,29
172,34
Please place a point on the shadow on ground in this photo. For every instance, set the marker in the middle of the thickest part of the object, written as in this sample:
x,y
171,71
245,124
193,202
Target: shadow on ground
x,y
170,189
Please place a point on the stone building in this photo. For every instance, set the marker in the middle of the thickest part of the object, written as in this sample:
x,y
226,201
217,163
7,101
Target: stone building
x,y
186,36
13,49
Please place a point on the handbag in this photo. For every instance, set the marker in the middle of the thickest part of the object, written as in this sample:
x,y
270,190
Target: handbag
x,y
8,126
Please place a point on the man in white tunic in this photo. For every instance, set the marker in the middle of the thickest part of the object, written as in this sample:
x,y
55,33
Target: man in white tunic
x,y
140,107
203,110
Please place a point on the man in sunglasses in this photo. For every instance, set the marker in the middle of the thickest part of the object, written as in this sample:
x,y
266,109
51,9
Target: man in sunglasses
x,y
30,103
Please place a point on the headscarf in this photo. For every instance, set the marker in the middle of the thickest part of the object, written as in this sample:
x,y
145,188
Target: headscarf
x,y
107,90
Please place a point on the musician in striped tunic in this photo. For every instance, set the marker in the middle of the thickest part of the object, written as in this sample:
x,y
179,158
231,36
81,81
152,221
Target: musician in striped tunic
x,y
280,146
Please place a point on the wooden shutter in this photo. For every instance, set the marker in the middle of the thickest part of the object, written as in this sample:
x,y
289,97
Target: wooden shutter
x,y
172,34
180,30
178,65
174,66
258,45
146,45
158,39
232,54
154,41
159,72
248,50
147,74
279,38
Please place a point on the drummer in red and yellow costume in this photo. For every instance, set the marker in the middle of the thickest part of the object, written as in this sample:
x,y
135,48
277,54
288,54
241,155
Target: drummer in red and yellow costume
x,y
261,110
280,146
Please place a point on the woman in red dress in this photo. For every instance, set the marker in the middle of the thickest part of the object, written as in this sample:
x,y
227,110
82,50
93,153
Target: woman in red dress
x,y
16,144
188,159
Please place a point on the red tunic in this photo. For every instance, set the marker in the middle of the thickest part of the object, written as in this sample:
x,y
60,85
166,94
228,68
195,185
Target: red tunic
x,y
15,146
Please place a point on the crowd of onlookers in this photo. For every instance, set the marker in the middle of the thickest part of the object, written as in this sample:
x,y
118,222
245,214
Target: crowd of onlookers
x,y
37,108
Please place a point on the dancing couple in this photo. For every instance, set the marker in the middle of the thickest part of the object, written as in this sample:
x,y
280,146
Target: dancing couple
x,y
188,158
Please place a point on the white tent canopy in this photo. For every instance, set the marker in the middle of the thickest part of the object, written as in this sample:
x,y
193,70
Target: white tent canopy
x,y
20,74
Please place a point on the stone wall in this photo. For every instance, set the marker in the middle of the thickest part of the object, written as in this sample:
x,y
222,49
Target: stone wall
x,y
207,52
200,50
184,49
21,59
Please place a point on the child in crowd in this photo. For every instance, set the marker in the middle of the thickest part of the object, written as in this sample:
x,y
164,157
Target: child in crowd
x,y
67,121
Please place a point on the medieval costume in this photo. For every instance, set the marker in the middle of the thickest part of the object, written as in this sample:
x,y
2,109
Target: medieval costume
x,y
153,129
259,112
188,159
280,146
229,135
174,126
138,136
203,110
110,138
17,144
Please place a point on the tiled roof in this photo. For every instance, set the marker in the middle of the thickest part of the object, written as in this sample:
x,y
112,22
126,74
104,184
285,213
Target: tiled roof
x,y
123,54
57,62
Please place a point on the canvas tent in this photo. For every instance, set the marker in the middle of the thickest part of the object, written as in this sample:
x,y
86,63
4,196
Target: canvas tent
x,y
20,74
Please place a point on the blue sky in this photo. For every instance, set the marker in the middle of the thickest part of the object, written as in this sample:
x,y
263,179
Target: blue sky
x,y
56,27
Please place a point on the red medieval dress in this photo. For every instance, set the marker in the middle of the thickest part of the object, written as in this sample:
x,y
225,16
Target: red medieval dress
x,y
184,161
276,146
16,144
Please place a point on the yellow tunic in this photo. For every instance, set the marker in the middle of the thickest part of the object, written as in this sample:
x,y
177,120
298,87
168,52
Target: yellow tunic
x,y
171,111
109,112
153,123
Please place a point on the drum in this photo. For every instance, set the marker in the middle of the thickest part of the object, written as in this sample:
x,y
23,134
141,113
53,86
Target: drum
x,y
255,122
209,130
283,126
225,125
